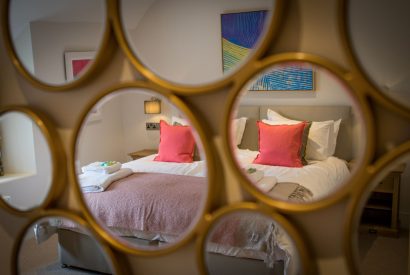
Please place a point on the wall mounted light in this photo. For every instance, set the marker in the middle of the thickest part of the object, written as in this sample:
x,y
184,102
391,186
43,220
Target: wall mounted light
x,y
152,106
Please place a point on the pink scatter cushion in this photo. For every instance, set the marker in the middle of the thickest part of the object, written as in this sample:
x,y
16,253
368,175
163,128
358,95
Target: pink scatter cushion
x,y
282,145
176,143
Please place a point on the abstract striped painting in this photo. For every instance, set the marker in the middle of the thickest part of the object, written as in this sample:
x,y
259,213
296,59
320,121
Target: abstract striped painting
x,y
240,33
289,77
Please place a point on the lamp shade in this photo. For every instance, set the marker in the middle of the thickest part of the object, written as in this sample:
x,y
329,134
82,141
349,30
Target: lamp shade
x,y
152,106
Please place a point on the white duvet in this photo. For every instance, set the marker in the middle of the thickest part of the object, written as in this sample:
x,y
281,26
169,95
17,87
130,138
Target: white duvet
x,y
321,177
148,165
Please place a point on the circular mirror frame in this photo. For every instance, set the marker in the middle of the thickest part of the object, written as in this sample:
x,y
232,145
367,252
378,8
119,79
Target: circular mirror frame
x,y
200,127
57,157
183,89
374,173
307,265
104,52
357,69
117,268
355,85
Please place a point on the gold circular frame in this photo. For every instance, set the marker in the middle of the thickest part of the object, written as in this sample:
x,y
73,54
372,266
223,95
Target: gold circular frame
x,y
355,207
183,89
371,88
307,266
105,50
57,155
108,253
358,96
200,128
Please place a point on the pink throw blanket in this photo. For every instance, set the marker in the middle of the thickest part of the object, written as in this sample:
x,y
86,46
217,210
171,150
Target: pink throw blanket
x,y
149,202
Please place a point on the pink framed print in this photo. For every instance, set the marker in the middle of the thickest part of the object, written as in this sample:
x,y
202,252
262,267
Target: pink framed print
x,y
76,62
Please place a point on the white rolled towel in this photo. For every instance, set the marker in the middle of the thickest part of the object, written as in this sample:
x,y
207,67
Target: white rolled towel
x,y
98,182
107,167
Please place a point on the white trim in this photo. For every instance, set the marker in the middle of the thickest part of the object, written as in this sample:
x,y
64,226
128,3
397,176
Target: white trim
x,y
70,56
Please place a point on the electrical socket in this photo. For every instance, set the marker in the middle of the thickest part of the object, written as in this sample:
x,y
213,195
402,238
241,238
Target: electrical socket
x,y
152,126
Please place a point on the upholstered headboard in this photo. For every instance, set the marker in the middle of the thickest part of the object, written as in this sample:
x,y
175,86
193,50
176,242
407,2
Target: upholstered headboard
x,y
344,147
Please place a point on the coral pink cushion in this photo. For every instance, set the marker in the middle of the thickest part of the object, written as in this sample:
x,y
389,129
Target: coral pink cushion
x,y
176,143
280,145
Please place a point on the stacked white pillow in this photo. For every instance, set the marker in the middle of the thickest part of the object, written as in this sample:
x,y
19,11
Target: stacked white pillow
x,y
238,127
322,136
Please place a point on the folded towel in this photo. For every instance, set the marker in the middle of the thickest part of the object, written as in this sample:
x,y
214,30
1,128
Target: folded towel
x,y
98,182
253,174
107,167
266,183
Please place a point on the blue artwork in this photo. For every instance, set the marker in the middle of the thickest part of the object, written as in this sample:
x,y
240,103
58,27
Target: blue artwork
x,y
240,33
291,77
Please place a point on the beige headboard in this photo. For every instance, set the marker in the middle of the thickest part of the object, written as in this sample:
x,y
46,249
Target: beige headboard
x,y
313,113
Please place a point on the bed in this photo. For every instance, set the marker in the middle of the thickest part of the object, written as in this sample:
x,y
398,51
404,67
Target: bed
x,y
152,173
320,177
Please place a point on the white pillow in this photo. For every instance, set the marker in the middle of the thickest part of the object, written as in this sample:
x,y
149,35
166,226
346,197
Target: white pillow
x,y
321,139
336,126
238,128
179,120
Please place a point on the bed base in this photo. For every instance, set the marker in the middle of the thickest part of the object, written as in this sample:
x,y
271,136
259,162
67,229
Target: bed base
x,y
78,250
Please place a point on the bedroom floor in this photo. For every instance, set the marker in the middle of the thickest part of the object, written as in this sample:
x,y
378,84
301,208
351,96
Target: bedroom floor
x,y
379,255
384,255
44,260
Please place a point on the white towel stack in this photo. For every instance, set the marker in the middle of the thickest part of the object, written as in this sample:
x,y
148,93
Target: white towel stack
x,y
107,167
97,176
257,177
98,182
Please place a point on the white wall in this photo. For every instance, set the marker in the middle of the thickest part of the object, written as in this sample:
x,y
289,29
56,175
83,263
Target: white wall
x,y
17,146
102,139
50,40
27,155
181,39
136,137
121,128
24,49
384,53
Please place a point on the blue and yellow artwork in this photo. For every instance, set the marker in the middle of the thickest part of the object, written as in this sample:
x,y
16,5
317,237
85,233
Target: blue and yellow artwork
x,y
289,77
240,33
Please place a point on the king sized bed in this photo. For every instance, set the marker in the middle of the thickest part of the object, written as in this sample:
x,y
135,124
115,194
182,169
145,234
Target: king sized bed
x,y
159,201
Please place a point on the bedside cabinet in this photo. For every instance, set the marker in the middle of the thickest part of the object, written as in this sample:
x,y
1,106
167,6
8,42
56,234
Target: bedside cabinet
x,y
380,214
142,153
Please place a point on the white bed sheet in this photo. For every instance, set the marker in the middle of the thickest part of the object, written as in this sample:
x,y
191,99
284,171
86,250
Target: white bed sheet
x,y
148,165
320,177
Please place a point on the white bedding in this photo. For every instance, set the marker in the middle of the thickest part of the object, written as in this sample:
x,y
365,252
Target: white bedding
x,y
147,164
320,177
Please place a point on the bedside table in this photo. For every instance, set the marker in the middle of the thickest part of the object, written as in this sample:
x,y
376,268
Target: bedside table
x,y
142,153
380,214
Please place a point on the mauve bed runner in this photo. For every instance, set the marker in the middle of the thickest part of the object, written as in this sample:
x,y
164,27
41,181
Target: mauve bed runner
x,y
151,203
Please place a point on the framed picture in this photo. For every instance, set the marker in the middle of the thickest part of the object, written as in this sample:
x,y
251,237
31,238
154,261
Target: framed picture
x,y
240,33
75,62
288,77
